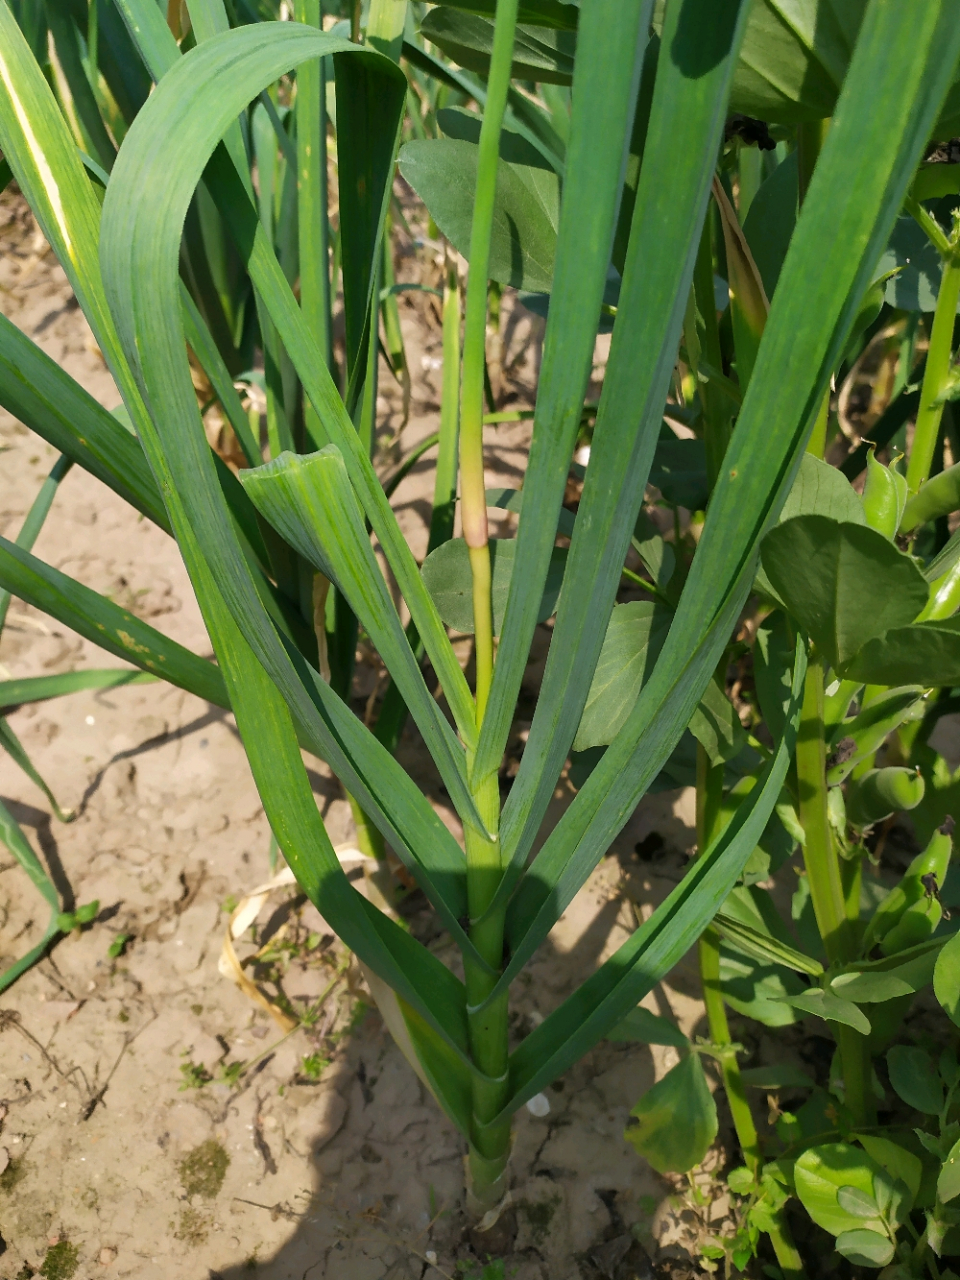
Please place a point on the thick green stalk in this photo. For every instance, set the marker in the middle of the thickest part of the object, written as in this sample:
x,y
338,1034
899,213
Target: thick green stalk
x,y
826,881
936,375
473,502
823,868
489,1147
709,798
709,952
489,1143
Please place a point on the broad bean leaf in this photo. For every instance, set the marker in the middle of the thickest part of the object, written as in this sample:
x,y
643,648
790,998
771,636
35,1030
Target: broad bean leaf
x,y
864,1247
750,921
859,1203
844,583
446,572
914,1078
773,669
512,500
463,125
635,633
925,653
794,59
677,1119
659,558
822,1171
716,725
640,1024
539,53
818,490
870,988
770,221
758,990
917,262
822,490
898,1162
823,1004
948,1183
680,472
946,979
443,172
538,13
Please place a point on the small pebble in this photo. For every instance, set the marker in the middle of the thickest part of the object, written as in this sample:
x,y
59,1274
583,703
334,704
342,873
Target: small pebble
x,y
431,1257
539,1105
106,1256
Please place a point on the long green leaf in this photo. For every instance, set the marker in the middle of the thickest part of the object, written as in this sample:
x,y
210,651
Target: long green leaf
x,y
311,504
15,692
45,162
623,980
697,55
90,122
104,623
122,69
39,510
270,740
14,748
46,399
150,34
888,103
324,725
312,370
367,133
12,836
609,42
322,721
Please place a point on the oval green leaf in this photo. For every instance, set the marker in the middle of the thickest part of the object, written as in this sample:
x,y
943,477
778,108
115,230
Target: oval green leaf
x,y
820,1174
635,634
447,575
677,1119
948,1183
539,53
946,979
923,653
865,1248
844,583
443,173
914,1078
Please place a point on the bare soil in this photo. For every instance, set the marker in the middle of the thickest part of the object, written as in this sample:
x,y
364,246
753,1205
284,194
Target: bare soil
x,y
128,1146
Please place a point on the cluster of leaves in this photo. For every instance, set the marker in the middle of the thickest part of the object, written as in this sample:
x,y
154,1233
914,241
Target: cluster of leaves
x,y
209,230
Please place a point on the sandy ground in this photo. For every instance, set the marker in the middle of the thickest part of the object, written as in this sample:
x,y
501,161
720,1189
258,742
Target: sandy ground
x,y
131,1148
